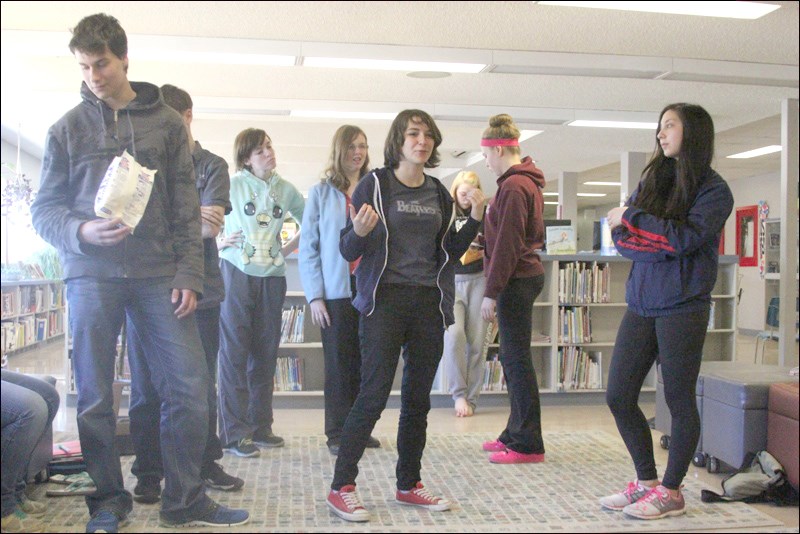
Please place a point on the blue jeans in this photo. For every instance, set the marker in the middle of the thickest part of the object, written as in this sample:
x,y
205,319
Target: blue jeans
x,y
97,309
407,319
145,404
29,406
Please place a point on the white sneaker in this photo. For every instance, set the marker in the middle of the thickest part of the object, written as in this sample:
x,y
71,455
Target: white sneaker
x,y
635,491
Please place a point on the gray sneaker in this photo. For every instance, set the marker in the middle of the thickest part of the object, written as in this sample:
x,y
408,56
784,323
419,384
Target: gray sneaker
x,y
635,491
243,448
267,440
656,504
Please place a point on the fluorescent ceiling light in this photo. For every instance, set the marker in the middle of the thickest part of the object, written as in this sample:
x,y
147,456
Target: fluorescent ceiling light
x,y
524,135
591,194
615,124
612,184
329,114
732,10
757,152
392,64
550,194
213,57
552,203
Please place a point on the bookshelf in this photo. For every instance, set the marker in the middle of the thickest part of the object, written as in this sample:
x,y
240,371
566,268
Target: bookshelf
x,y
577,315
32,313
300,375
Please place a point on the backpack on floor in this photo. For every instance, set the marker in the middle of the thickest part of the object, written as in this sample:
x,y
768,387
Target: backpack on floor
x,y
761,478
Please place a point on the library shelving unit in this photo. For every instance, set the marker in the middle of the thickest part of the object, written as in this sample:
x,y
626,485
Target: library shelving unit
x,y
569,320
32,313
567,323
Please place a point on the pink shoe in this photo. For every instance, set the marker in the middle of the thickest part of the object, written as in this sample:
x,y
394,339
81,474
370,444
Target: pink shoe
x,y
494,446
512,457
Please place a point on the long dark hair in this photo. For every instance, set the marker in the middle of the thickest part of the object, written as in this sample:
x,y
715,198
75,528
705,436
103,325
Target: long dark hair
x,y
669,185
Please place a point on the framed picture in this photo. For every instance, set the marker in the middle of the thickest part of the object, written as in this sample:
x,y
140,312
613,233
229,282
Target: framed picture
x,y
775,240
747,235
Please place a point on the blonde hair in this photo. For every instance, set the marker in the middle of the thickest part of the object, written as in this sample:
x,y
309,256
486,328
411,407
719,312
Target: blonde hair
x,y
464,177
502,127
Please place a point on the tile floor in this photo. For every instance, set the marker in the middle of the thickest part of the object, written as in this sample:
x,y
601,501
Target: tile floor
x,y
309,422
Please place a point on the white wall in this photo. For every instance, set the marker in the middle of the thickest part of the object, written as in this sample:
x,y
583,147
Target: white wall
x,y
748,192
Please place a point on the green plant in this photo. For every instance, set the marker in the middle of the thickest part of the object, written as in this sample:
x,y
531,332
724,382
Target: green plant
x,y
48,260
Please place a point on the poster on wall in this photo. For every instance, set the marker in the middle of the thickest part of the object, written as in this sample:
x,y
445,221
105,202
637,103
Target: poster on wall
x,y
747,235
763,213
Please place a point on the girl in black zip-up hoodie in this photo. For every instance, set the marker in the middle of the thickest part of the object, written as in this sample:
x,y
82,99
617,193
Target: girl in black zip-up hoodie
x,y
670,228
401,231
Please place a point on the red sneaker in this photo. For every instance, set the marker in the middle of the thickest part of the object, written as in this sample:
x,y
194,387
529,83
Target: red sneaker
x,y
494,446
514,457
420,496
347,504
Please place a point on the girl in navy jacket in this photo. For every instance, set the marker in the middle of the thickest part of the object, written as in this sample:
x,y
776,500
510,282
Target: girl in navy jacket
x,y
670,228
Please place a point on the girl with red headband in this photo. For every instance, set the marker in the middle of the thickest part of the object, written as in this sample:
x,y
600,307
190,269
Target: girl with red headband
x,y
514,231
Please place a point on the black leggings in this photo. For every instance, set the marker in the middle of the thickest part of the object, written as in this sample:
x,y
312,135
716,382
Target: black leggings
x,y
676,341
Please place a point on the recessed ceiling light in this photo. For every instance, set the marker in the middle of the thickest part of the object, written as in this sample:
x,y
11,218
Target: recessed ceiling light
x,y
726,9
615,124
552,203
591,194
550,194
757,152
612,184
428,74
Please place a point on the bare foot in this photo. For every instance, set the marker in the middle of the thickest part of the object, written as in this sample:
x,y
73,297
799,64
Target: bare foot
x,y
463,409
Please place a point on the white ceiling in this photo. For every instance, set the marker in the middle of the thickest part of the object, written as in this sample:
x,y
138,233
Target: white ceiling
x,y
548,65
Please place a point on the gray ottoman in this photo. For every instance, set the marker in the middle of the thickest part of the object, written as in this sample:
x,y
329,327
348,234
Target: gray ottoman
x,y
663,419
734,417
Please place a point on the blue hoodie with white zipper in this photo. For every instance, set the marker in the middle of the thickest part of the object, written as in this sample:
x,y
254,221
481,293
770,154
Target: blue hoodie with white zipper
x,y
674,263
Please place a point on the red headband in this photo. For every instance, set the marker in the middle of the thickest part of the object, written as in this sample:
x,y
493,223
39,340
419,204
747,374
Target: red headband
x,y
499,142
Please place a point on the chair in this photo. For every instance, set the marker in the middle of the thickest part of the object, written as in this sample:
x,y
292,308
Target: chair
x,y
768,334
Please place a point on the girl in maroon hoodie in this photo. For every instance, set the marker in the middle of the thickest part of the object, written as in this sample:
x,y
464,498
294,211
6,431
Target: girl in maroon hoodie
x,y
514,230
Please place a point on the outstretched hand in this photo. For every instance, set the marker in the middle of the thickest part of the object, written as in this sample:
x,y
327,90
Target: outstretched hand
x,y
364,221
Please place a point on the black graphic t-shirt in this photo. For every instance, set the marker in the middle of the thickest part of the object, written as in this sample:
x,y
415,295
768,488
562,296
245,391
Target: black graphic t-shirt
x,y
414,217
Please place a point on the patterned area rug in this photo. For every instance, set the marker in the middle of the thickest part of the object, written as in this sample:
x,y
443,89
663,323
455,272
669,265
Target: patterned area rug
x,y
285,491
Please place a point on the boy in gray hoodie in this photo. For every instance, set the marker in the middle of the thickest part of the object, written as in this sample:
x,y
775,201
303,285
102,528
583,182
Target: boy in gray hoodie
x,y
153,275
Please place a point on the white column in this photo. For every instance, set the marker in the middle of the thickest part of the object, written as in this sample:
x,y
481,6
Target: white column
x,y
631,166
568,196
787,315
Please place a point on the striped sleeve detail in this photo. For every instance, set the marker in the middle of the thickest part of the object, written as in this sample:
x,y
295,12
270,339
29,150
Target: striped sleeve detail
x,y
644,241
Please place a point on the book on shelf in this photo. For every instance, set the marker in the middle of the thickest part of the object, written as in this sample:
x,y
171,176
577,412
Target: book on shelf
x,y
560,240
289,374
584,283
494,379
712,316
292,324
607,247
579,369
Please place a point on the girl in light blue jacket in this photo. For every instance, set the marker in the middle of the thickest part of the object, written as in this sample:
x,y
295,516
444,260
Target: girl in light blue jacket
x,y
328,278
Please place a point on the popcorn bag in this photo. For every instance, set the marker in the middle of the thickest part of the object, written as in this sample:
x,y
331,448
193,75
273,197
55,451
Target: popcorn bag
x,y
124,191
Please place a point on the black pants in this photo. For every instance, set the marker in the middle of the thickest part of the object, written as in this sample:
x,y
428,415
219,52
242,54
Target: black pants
x,y
405,318
677,342
523,432
342,365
